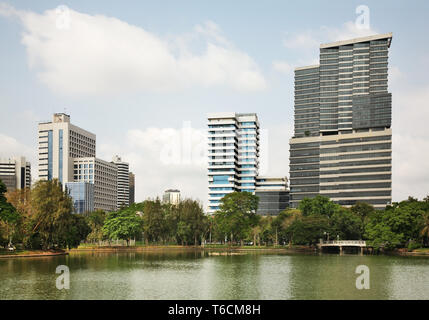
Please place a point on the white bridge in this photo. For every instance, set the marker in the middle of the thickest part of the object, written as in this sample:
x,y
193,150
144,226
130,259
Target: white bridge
x,y
343,243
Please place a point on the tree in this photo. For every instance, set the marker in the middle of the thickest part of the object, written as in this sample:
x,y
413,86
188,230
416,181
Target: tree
x,y
318,205
183,232
424,232
237,215
49,224
397,225
21,200
155,227
346,224
78,230
95,221
380,235
364,211
268,233
9,217
307,230
191,215
282,223
123,224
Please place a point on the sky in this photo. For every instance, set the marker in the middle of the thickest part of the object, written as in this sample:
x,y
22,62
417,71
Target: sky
x,y
143,75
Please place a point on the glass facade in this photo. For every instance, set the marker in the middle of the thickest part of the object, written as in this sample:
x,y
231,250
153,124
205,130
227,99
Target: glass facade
x,y
347,96
271,203
233,144
82,194
60,155
50,154
307,107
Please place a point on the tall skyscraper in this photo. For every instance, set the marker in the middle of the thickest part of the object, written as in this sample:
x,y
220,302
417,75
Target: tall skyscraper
x,y
342,146
15,173
132,188
123,182
233,155
59,143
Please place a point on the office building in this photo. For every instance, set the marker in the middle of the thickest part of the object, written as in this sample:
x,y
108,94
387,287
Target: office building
x,y
123,182
233,155
82,194
103,175
171,196
59,142
15,173
132,192
342,145
273,195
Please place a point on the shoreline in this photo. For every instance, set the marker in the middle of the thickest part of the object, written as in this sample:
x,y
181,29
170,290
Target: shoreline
x,y
34,255
225,250
192,248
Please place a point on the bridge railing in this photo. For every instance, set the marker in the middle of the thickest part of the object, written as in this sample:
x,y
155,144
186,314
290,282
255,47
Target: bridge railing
x,y
344,242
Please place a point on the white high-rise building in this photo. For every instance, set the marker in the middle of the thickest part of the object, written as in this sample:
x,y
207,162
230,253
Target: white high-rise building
x,y
67,153
233,155
59,142
171,196
123,182
15,173
103,175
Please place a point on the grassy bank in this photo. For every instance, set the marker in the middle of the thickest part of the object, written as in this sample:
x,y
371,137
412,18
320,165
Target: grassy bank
x,y
212,247
29,253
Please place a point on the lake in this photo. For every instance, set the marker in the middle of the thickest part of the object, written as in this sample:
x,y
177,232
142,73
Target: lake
x,y
201,275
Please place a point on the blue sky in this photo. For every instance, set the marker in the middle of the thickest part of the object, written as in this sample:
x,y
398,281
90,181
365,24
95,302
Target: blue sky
x,y
138,111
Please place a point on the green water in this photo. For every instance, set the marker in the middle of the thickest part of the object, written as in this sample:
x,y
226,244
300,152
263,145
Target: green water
x,y
196,275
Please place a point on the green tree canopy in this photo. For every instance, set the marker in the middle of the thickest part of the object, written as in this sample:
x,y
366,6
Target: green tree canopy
x,y
123,224
155,226
318,205
52,218
9,217
396,225
192,221
237,214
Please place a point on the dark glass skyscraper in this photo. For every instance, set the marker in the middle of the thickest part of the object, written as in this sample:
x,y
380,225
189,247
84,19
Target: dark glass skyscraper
x,y
342,146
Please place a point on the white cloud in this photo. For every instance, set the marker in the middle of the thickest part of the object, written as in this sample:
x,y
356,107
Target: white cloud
x,y
81,54
311,39
304,40
410,166
283,67
410,141
307,44
164,158
10,147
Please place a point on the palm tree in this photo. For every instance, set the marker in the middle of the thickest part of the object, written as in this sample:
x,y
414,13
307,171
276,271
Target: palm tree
x,y
425,230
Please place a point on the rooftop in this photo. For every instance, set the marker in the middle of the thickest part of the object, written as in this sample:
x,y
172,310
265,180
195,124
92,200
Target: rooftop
x,y
357,40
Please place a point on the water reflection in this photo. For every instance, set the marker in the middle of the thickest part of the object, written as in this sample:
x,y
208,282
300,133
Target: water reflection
x,y
198,275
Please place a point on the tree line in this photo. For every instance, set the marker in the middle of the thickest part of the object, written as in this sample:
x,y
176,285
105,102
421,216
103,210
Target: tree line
x,y
43,218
